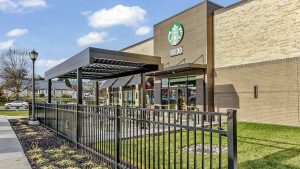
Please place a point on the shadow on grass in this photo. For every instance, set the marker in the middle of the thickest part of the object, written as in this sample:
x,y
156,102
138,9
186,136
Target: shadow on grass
x,y
273,161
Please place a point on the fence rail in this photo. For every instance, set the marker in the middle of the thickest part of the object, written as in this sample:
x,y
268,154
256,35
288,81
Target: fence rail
x,y
124,137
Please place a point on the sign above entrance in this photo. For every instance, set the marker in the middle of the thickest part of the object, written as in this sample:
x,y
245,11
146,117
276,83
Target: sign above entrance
x,y
176,51
175,34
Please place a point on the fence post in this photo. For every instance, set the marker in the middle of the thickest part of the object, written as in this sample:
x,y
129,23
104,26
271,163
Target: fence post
x,y
232,139
117,137
76,124
45,113
56,118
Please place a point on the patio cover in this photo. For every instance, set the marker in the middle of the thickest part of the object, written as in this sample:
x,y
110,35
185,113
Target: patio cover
x,y
187,67
100,64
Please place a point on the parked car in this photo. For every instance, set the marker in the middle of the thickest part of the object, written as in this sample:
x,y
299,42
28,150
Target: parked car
x,y
17,104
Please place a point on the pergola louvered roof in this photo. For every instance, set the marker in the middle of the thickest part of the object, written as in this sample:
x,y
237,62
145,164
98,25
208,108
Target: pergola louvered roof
x,y
98,64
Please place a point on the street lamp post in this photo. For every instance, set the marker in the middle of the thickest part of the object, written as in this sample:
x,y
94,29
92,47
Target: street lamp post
x,y
33,56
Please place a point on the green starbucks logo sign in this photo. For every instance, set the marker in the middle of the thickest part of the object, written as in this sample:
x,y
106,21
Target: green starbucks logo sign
x,y
175,34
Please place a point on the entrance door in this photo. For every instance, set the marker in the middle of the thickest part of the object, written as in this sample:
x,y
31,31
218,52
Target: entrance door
x,y
177,98
181,98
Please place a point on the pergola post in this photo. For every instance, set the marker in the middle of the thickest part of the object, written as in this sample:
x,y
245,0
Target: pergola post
x,y
79,86
97,93
49,91
143,91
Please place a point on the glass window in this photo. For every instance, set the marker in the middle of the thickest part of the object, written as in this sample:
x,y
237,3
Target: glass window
x,y
150,91
191,97
164,97
150,83
178,82
164,82
191,81
172,99
191,92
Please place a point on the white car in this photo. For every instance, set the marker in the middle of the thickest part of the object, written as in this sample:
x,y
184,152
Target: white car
x,y
17,104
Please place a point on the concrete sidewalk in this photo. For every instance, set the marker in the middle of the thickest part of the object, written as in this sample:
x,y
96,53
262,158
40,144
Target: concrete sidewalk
x,y
11,152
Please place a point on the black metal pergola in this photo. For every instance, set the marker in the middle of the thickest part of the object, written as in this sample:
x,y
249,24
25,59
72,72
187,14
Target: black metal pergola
x,y
101,64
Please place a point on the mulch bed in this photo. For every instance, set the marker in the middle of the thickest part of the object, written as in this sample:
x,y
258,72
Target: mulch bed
x,y
45,150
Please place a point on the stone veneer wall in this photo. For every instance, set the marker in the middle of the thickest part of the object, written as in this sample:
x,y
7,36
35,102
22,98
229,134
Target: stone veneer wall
x,y
257,43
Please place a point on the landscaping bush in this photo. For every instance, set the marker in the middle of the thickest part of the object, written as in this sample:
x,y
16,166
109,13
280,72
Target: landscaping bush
x,y
64,95
42,95
6,107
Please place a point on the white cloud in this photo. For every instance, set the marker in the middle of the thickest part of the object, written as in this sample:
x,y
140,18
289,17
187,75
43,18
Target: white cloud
x,y
144,30
17,32
21,5
92,38
48,62
6,44
8,5
33,3
118,15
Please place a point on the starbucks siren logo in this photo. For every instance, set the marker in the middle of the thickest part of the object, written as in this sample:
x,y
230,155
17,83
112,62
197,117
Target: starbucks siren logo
x,y
175,34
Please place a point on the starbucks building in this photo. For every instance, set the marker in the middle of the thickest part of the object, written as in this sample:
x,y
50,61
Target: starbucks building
x,y
244,56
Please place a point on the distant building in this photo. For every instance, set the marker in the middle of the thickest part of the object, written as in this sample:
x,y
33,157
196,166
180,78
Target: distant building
x,y
59,88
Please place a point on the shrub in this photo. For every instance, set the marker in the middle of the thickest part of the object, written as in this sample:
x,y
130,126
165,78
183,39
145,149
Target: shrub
x,y
6,107
42,95
64,95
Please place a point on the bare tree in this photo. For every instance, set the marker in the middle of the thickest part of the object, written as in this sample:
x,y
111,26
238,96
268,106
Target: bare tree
x,y
14,70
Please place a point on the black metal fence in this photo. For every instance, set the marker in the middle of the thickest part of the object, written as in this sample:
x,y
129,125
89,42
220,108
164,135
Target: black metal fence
x,y
122,137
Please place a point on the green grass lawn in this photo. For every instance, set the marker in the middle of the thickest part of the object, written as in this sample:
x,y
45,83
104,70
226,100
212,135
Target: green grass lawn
x,y
259,146
14,113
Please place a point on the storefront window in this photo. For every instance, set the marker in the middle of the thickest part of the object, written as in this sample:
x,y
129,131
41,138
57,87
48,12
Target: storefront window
x,y
165,83
129,96
191,92
178,82
179,93
173,99
164,96
191,81
150,91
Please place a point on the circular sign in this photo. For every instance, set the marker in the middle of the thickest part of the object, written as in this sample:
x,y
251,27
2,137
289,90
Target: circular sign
x,y
175,34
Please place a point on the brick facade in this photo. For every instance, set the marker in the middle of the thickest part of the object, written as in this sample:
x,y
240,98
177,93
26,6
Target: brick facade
x,y
257,44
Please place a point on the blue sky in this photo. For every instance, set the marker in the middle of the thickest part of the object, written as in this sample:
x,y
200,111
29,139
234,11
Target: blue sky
x,y
58,29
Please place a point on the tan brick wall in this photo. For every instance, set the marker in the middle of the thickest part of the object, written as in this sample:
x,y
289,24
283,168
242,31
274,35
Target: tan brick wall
x,y
256,31
145,48
194,22
278,91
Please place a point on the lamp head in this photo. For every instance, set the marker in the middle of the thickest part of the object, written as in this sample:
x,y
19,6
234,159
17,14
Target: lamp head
x,y
33,55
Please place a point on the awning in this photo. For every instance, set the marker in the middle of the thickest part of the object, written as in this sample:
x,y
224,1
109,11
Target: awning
x,y
188,67
122,81
108,83
101,64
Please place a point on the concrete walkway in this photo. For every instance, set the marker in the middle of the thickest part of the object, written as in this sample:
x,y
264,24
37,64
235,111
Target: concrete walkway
x,y
11,152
